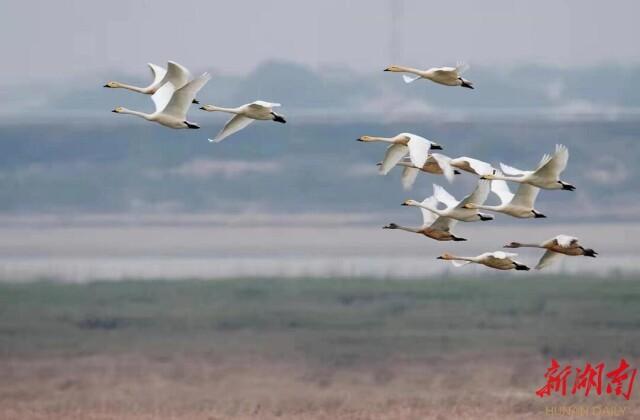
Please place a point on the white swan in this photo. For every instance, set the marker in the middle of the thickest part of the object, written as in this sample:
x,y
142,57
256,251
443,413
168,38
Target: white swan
x,y
449,76
473,166
436,163
546,175
174,73
172,104
518,205
457,209
556,247
404,143
498,260
434,227
244,115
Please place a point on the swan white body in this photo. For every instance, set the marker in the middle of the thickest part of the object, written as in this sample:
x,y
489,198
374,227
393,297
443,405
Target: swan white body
x,y
404,143
518,205
172,104
545,176
175,73
244,115
497,259
457,209
448,76
556,247
434,227
473,166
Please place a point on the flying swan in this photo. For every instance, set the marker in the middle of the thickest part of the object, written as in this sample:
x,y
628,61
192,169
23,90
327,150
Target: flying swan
x,y
498,260
244,115
473,166
449,76
545,176
174,73
437,164
556,247
457,209
172,104
518,205
404,143
434,227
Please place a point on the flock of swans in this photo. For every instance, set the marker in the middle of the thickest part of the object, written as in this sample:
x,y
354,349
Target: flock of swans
x,y
174,89
415,154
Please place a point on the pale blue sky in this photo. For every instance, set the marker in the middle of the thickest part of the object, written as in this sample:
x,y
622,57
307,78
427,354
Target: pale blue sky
x,y
62,39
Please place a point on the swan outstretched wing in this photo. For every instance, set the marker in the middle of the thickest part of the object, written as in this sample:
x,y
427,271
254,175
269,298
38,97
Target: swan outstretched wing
x,y
444,197
511,171
444,71
265,104
409,175
525,195
428,217
177,74
477,166
392,156
235,124
502,255
479,195
444,164
157,72
418,149
162,96
461,67
183,97
409,79
457,263
547,259
442,223
553,166
501,189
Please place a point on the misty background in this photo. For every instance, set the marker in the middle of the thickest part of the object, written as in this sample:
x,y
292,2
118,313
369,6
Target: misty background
x,y
544,74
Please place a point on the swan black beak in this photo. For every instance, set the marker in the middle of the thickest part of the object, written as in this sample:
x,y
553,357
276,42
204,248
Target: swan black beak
x,y
439,258
195,101
387,69
203,108
278,118
436,146
539,216
114,110
106,86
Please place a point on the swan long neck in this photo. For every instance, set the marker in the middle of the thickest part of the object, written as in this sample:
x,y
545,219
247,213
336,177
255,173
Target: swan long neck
x,y
136,113
503,178
454,257
407,70
131,87
486,207
214,108
408,229
380,139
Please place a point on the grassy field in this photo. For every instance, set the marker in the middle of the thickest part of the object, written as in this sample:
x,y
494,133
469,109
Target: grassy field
x,y
308,348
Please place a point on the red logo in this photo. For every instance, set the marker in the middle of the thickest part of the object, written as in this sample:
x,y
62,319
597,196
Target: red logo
x,y
589,379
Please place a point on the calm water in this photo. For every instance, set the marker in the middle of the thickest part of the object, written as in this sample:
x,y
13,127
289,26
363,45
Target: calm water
x,y
84,252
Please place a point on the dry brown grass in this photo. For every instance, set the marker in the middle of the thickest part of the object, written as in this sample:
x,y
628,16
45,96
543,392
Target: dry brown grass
x,y
325,349
138,387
